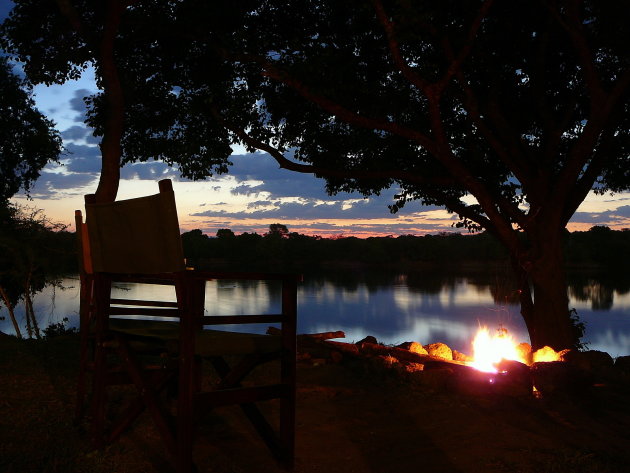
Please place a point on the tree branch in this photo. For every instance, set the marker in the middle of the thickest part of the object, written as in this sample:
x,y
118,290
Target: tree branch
x,y
286,163
598,125
457,60
443,152
590,174
394,49
345,114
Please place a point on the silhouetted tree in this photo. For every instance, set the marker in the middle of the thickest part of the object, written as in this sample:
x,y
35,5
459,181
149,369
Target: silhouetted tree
x,y
28,140
33,254
56,41
225,233
506,113
522,105
277,230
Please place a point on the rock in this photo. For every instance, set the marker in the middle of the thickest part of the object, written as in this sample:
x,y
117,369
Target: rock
x,y
596,365
591,360
524,350
514,379
336,356
545,354
413,367
558,377
458,356
622,363
438,379
413,347
368,339
622,370
441,350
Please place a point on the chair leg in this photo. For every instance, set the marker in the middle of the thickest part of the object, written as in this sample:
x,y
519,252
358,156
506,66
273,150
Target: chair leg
x,y
102,287
159,381
99,398
287,430
148,394
85,297
187,387
280,444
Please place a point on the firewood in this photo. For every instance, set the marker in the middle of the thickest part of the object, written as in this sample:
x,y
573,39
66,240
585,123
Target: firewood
x,y
324,335
317,336
399,353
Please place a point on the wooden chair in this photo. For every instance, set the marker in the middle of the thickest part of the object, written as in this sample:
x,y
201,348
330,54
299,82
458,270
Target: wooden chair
x,y
156,345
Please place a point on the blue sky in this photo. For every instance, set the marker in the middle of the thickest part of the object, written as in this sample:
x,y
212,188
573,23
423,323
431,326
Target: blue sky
x,y
255,192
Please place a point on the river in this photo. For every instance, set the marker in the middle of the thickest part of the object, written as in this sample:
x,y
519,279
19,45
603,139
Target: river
x,y
394,308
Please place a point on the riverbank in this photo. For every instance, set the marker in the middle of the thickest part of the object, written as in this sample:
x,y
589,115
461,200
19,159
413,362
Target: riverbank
x,y
352,417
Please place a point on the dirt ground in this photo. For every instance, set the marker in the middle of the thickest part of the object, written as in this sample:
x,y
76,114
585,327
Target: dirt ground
x,y
351,418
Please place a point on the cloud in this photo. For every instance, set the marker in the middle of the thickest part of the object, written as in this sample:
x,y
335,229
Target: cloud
x,y
306,208
276,181
360,228
49,184
259,203
623,211
75,133
80,133
77,104
82,159
154,170
607,217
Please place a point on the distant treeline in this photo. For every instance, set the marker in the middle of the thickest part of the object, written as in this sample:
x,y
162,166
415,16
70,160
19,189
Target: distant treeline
x,y
600,247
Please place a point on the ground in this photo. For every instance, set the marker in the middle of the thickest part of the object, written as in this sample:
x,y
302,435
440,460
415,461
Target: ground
x,y
351,417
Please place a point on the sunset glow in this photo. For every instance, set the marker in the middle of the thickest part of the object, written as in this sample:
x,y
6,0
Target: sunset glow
x,y
255,192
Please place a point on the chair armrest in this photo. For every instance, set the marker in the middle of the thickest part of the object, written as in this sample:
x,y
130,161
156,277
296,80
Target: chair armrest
x,y
160,278
208,275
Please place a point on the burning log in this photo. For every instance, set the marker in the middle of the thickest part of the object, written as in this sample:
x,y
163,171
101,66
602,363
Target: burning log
x,y
316,336
458,356
512,378
400,354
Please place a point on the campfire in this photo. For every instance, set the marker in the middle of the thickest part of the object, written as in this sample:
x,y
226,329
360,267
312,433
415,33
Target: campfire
x,y
490,350
497,364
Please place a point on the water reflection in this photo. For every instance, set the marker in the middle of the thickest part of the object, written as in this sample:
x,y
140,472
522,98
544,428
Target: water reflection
x,y
425,307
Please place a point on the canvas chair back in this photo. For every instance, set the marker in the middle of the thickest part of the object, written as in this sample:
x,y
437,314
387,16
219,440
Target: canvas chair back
x,y
138,235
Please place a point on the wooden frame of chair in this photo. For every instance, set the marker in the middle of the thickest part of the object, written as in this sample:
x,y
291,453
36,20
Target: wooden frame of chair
x,y
97,306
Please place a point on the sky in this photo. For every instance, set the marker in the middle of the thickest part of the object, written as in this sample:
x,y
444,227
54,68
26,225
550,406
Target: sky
x,y
254,194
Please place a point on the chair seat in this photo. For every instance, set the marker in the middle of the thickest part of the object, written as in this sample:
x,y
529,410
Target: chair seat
x,y
209,342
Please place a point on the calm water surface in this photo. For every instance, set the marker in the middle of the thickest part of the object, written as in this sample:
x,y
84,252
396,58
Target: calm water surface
x,y
394,308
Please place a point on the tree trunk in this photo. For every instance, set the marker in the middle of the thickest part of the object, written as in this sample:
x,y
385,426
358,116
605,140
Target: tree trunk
x,y
29,311
9,306
115,106
546,311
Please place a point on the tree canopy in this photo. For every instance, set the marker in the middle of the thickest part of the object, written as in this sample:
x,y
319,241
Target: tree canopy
x,y
28,140
507,113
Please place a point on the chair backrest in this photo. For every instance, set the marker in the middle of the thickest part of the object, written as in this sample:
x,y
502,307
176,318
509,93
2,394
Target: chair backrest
x,y
138,235
83,244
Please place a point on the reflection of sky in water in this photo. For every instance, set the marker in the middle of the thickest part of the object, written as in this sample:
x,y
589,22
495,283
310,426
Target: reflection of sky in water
x,y
395,314
392,312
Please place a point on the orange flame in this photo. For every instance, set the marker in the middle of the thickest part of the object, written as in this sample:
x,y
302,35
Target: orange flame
x,y
488,351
